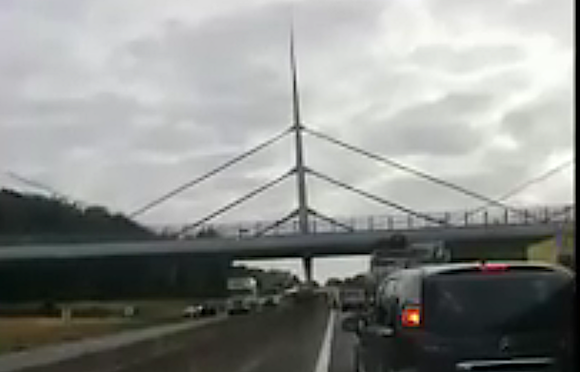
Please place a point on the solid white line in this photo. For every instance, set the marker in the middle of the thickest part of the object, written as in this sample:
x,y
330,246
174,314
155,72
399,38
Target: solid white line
x,y
323,362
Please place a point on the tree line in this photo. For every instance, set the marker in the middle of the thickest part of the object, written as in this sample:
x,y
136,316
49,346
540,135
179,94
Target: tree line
x,y
29,216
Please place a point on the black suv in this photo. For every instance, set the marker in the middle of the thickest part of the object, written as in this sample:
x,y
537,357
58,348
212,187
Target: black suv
x,y
469,317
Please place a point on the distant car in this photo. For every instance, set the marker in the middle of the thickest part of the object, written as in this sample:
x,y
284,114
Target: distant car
x,y
208,309
237,306
272,301
200,310
469,317
130,311
192,311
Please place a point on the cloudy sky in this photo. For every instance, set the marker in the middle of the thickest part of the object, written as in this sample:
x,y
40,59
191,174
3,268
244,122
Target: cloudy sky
x,y
116,102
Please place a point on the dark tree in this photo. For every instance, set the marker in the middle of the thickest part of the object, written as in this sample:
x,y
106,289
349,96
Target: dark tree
x,y
34,218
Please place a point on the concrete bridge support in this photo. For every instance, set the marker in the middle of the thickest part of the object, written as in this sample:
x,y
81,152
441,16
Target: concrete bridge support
x,y
307,265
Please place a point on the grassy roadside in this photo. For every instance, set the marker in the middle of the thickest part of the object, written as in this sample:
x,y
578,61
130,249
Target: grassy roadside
x,y
560,250
26,333
21,333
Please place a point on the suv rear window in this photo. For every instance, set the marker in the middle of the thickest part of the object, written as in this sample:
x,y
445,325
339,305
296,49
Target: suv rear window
x,y
499,302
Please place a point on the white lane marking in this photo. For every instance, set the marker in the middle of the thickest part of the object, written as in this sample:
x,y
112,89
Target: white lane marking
x,y
323,362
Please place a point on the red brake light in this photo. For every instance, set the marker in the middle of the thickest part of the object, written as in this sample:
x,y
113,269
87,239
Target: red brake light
x,y
493,267
411,316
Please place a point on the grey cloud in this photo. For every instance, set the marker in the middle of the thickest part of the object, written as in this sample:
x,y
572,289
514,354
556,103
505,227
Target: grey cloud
x,y
443,127
458,104
466,59
505,83
543,124
232,70
172,139
445,138
554,18
50,130
39,45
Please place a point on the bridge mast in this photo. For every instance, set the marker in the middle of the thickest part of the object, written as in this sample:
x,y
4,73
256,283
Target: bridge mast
x,y
303,211
300,169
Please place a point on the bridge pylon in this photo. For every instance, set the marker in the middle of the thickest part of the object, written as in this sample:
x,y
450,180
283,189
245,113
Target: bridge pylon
x,y
297,128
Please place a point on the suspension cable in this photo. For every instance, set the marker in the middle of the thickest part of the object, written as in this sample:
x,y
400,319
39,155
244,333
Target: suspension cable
x,y
211,173
276,224
330,220
236,202
375,198
525,185
408,169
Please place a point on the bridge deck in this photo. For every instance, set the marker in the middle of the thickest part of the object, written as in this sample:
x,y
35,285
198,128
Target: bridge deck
x,y
320,244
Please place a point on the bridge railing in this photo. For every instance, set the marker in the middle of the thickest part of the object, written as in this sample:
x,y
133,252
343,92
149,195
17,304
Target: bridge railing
x,y
466,218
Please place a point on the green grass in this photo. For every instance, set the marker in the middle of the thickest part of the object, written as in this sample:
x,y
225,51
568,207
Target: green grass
x,y
25,333
30,332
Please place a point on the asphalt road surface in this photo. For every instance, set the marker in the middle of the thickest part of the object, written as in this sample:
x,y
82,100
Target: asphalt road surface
x,y
285,340
303,337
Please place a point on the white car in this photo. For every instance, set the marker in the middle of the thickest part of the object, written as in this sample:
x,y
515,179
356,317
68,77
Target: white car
x,y
192,311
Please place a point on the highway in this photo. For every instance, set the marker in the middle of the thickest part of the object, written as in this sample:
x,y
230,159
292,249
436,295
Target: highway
x,y
294,337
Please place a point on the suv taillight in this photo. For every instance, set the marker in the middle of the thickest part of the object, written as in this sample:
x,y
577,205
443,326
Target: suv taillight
x,y
493,267
411,317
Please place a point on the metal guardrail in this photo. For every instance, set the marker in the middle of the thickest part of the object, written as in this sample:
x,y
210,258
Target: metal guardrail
x,y
491,218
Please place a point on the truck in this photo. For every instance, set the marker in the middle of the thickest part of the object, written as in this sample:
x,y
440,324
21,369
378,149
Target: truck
x,y
242,295
397,253
351,298
385,261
